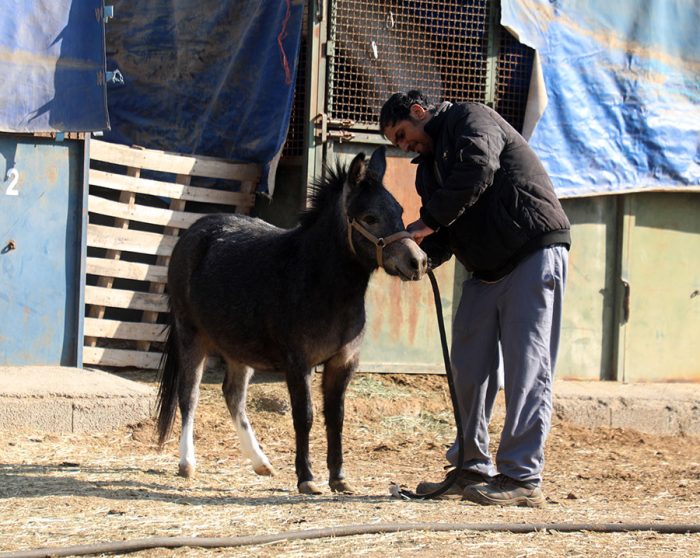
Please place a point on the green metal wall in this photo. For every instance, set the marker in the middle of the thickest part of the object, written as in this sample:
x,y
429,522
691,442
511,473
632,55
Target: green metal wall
x,y
586,350
632,309
659,336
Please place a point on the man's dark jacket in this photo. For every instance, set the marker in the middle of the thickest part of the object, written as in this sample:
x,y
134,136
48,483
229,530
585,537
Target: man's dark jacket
x,y
485,192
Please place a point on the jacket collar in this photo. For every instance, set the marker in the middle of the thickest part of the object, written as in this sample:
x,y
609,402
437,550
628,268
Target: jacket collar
x,y
433,127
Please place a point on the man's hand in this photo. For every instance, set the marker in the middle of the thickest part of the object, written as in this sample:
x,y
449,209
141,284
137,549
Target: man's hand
x,y
419,230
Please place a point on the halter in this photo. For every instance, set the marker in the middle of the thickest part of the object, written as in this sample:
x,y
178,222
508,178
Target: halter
x,y
379,243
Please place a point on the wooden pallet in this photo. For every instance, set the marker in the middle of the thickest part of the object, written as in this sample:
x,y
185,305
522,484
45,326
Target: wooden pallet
x,y
139,201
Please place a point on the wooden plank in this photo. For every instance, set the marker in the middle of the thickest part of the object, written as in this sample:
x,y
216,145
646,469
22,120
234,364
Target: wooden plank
x,y
120,238
121,357
177,207
121,298
176,163
143,214
126,270
246,188
129,200
115,329
169,189
66,135
99,236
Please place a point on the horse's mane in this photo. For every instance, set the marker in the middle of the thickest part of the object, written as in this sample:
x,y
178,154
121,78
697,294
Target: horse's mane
x,y
324,193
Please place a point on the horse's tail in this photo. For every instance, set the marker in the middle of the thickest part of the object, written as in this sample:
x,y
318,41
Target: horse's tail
x,y
169,378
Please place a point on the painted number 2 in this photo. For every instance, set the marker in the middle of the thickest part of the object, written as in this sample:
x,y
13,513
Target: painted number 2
x,y
13,176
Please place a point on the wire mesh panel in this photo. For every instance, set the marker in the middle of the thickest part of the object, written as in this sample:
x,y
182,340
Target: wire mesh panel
x,y
294,144
383,46
513,78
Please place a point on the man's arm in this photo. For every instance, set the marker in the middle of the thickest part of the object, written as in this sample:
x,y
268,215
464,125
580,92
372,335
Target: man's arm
x,y
434,243
419,230
478,142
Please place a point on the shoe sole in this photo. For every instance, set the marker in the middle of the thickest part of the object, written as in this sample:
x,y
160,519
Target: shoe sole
x,y
451,494
455,492
520,501
442,496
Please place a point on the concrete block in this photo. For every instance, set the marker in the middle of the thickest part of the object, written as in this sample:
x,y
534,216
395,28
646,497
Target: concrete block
x,y
93,415
35,414
62,399
689,418
584,412
669,409
658,417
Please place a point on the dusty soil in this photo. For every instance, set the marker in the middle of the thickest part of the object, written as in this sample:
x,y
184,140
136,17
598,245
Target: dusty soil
x,y
59,490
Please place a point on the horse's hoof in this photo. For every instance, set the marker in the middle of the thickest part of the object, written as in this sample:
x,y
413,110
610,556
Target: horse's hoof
x,y
265,470
341,485
186,470
309,487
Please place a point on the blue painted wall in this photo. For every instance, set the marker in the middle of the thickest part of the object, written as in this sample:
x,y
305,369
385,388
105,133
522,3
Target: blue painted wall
x,y
42,211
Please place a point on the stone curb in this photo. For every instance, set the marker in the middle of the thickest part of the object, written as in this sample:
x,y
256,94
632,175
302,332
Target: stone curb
x,y
69,400
663,409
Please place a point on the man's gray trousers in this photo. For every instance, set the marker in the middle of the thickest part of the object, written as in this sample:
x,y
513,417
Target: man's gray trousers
x,y
517,319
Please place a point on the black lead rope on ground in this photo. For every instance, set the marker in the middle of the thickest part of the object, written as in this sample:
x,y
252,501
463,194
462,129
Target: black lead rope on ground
x,y
452,477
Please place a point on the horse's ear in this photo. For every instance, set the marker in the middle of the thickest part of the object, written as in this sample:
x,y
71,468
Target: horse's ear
x,y
377,164
358,168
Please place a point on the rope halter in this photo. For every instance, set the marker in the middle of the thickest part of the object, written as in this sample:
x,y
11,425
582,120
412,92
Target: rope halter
x,y
379,243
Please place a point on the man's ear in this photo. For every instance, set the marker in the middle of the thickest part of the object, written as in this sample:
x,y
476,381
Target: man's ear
x,y
357,171
417,112
377,163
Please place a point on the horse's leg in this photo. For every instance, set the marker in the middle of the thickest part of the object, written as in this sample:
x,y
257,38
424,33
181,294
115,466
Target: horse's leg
x,y
192,358
337,373
235,391
299,386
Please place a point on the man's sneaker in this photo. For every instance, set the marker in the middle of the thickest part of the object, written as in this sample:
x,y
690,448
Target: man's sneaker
x,y
504,491
464,479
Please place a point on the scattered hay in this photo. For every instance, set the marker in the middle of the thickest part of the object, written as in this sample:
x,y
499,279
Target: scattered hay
x,y
71,489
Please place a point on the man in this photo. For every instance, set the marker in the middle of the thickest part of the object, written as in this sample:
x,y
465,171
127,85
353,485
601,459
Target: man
x,y
487,199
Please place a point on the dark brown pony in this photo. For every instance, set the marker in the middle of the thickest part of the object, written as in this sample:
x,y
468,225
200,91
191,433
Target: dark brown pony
x,y
284,300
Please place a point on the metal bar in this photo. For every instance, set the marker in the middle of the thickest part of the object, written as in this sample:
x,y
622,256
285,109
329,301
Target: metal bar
x,y
494,41
80,311
625,223
363,126
330,52
364,137
315,87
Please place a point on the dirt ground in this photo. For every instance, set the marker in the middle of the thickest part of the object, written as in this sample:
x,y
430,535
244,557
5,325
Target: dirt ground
x,y
60,490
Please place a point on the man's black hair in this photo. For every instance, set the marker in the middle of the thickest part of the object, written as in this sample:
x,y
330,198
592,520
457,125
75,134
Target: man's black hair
x,y
398,107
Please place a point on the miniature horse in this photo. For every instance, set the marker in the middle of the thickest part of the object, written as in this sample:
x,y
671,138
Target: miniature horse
x,y
282,300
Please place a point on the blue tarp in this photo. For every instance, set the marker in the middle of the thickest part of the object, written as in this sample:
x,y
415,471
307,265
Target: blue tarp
x,y
52,57
211,77
622,81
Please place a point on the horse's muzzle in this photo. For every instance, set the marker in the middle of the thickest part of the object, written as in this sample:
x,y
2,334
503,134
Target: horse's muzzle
x,y
407,260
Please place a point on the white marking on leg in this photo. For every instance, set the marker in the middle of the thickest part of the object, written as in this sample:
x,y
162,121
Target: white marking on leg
x,y
250,448
187,458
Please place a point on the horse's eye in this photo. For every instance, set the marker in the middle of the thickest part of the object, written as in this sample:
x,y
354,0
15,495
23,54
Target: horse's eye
x,y
369,220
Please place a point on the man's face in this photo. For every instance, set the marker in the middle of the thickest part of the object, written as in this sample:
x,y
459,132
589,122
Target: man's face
x,y
409,134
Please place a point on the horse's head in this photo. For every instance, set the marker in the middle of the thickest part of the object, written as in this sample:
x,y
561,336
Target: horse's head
x,y
376,232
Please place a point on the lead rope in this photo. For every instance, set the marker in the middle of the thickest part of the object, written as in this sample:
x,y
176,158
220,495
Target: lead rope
x,y
452,477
